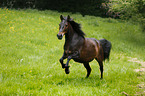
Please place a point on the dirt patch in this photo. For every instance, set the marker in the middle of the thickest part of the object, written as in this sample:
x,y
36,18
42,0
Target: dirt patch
x,y
141,70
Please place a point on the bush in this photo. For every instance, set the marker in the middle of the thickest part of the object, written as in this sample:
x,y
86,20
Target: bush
x,y
17,3
85,7
128,10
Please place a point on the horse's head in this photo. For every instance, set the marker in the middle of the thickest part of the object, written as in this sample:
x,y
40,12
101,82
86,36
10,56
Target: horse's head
x,y
63,26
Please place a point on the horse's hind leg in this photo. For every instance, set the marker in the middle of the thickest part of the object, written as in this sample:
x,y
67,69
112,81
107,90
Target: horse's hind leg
x,y
87,66
101,69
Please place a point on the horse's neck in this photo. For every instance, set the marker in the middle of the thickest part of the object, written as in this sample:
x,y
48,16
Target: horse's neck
x,y
69,38
72,39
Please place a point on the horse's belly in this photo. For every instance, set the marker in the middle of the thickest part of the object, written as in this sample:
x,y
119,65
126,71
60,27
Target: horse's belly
x,y
84,60
86,56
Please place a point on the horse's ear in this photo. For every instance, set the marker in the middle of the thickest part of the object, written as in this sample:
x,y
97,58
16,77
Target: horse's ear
x,y
61,17
69,19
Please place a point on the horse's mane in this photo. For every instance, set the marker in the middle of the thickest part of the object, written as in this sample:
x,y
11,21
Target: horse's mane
x,y
77,28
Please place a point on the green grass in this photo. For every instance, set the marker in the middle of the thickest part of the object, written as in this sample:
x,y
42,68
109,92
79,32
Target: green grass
x,y
30,52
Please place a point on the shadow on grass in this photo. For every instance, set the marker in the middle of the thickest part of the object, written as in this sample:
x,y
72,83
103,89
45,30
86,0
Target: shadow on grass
x,y
81,81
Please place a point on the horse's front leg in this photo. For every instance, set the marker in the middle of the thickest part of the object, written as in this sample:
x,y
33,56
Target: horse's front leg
x,y
66,66
72,56
63,65
61,60
67,63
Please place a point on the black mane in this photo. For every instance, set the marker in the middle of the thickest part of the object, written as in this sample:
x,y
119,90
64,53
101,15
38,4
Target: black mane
x,y
77,28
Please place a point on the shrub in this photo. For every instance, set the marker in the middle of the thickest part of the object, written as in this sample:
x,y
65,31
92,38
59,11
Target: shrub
x,y
128,10
85,7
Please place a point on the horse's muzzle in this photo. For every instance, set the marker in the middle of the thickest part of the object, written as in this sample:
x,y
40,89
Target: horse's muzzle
x,y
59,36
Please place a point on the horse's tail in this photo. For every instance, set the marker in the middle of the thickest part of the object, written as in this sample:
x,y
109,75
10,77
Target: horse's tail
x,y
106,45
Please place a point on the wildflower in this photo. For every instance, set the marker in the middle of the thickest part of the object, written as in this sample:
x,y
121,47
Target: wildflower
x,y
21,60
12,28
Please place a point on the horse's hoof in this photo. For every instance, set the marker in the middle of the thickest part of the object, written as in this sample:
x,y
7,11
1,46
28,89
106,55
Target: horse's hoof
x,y
87,76
67,71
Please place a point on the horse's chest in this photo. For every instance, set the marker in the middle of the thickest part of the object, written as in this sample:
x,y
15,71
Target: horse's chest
x,y
70,49
68,52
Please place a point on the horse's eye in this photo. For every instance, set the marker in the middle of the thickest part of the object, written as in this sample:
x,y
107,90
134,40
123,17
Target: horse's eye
x,y
66,25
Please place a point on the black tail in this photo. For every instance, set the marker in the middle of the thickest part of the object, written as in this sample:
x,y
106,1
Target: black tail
x,y
106,45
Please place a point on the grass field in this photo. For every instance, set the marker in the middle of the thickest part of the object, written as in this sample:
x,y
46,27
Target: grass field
x,y
30,52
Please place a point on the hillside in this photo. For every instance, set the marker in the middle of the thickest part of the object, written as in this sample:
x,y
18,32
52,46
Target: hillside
x,y
30,52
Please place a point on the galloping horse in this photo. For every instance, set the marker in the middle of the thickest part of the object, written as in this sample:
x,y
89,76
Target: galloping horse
x,y
79,48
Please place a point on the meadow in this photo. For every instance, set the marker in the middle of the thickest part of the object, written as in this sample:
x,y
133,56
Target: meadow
x,y
30,52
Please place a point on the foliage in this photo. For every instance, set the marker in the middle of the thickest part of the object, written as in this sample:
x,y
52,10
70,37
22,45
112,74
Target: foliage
x,y
128,10
125,9
92,7
30,52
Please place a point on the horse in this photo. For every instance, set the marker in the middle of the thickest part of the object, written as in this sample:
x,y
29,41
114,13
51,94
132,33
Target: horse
x,y
79,48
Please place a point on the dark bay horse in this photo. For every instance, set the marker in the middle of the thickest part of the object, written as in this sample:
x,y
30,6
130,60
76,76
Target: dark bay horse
x,y
79,48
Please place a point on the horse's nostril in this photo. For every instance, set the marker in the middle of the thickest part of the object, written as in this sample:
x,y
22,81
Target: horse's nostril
x,y
59,36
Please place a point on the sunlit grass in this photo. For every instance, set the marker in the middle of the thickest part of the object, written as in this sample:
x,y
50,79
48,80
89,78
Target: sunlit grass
x,y
30,50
